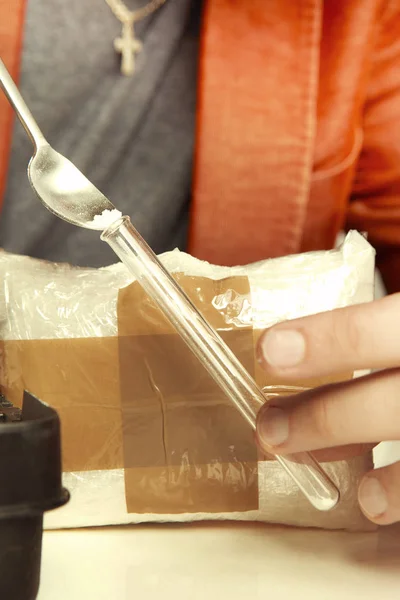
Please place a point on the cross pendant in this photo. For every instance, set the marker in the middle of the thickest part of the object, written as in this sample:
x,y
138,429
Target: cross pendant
x,y
128,46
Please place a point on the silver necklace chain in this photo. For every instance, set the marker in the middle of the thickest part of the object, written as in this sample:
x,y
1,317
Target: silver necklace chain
x,y
127,44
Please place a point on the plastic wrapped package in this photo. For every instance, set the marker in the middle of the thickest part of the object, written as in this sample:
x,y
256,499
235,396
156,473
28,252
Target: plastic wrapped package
x,y
147,434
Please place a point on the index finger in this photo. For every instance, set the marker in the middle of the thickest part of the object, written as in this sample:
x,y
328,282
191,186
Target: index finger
x,y
365,336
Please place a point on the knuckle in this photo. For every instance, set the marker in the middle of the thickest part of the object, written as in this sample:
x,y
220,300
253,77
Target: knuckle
x,y
324,419
390,405
349,331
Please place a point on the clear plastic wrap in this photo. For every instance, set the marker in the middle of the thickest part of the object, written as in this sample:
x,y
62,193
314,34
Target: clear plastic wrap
x,y
147,436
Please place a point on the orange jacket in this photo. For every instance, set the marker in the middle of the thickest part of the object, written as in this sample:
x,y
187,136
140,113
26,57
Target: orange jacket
x,y
298,132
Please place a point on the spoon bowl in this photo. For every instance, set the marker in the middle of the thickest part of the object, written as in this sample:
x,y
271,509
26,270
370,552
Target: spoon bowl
x,y
65,191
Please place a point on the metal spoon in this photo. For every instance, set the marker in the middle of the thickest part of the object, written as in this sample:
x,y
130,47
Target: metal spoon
x,y
61,187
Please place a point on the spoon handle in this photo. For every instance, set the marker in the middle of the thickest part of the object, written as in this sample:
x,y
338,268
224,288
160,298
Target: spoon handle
x,y
18,103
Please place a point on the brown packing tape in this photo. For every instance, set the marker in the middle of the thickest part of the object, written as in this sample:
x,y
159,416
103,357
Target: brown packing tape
x,y
186,448
80,378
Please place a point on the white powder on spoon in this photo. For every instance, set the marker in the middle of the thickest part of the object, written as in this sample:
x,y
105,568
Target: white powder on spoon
x,y
107,218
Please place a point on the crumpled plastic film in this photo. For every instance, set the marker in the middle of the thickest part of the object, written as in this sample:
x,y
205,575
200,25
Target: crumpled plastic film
x,y
90,343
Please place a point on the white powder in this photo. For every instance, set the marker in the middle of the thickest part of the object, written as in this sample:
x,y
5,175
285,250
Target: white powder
x,y
107,218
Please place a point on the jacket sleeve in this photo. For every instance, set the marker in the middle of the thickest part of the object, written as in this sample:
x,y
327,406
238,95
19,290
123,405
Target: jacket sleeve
x,y
375,201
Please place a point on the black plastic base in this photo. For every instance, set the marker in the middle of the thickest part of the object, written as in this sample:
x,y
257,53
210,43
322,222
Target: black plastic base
x,y
20,557
30,476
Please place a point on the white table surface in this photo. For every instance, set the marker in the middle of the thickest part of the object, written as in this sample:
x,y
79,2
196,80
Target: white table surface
x,y
223,560
207,561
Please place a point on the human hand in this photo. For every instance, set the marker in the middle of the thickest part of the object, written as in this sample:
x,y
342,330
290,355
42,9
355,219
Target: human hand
x,y
340,420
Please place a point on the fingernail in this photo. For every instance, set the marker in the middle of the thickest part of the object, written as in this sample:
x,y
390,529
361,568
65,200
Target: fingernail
x,y
273,429
283,349
372,497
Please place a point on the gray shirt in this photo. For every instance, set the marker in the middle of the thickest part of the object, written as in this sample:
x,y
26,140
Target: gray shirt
x,y
132,137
